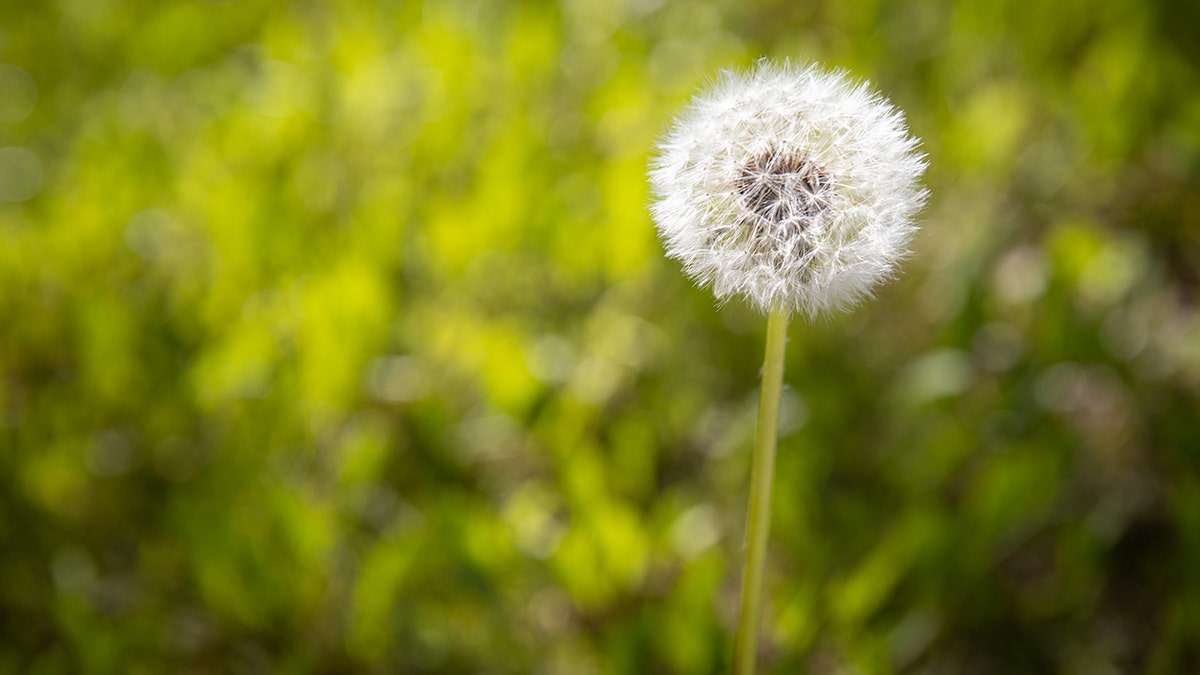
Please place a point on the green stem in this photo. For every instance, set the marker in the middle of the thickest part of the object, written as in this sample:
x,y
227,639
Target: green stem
x,y
758,518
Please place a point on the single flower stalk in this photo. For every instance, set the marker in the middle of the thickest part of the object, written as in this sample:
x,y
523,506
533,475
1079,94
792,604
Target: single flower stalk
x,y
796,189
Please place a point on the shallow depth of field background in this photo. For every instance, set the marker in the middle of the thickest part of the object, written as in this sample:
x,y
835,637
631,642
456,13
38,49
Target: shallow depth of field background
x,y
337,338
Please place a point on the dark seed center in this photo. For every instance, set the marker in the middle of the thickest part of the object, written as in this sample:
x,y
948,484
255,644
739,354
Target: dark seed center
x,y
783,188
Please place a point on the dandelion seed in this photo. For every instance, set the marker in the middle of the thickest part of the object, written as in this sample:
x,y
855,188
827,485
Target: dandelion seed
x,y
792,187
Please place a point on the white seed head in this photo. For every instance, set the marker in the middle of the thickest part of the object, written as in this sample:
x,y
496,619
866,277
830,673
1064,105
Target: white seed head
x,y
793,187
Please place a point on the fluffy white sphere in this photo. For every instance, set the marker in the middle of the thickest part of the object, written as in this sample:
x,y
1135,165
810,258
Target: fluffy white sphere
x,y
793,187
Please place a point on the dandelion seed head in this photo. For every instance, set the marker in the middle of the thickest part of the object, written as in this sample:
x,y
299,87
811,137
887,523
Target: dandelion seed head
x,y
792,187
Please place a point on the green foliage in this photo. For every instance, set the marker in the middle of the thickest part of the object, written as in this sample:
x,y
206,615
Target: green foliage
x,y
337,339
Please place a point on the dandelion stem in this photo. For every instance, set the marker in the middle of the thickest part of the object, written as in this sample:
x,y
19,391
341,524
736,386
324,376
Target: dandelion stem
x,y
758,517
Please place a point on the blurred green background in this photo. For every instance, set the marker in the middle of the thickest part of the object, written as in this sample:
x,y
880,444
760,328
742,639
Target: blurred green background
x,y
336,337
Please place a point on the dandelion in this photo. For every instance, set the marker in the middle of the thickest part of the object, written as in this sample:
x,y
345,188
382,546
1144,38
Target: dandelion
x,y
791,187
795,189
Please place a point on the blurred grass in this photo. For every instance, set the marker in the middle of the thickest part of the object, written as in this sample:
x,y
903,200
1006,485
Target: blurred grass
x,y
337,339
